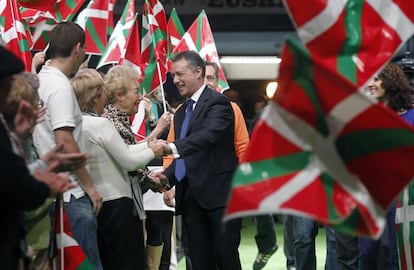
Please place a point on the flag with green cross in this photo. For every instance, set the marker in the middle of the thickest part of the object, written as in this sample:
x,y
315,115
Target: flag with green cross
x,y
321,148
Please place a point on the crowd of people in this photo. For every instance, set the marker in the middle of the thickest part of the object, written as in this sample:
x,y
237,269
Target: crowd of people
x,y
65,133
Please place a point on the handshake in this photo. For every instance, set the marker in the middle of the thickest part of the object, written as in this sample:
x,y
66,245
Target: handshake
x,y
160,148
152,180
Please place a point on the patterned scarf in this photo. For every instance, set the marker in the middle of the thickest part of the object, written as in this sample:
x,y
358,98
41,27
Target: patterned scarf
x,y
121,121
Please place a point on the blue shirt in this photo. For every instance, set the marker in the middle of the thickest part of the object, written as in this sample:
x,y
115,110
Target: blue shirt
x,y
409,116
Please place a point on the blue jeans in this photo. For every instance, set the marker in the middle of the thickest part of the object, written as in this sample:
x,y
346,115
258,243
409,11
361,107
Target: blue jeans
x,y
382,253
331,258
84,227
288,240
305,231
347,251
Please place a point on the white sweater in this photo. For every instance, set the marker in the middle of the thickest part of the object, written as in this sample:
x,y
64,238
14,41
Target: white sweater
x,y
110,158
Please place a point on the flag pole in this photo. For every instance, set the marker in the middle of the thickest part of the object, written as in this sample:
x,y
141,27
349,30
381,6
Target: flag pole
x,y
46,47
164,103
62,253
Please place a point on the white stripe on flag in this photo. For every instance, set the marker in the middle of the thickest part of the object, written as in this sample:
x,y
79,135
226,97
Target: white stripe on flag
x,y
405,215
13,31
3,5
346,110
64,241
189,42
394,17
40,27
157,8
273,119
146,41
210,50
174,40
9,35
138,119
288,125
152,20
90,13
322,22
292,187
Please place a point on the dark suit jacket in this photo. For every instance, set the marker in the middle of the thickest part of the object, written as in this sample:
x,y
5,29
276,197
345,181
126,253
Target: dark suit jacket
x,y
208,150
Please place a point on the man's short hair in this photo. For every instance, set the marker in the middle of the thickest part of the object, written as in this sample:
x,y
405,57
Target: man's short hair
x,y
215,66
193,59
64,37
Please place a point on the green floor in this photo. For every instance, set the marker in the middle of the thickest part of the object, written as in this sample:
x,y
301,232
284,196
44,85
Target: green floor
x,y
248,249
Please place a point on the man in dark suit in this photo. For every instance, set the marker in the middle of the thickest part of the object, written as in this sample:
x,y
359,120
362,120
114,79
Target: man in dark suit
x,y
204,162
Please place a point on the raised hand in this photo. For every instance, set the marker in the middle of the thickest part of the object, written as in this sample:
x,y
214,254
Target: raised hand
x,y
25,119
57,182
164,121
64,161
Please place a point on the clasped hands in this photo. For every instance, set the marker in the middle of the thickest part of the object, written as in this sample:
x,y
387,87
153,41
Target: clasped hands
x,y
160,148
160,179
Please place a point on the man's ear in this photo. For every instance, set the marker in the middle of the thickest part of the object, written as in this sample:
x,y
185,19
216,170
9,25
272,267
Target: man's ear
x,y
77,49
198,71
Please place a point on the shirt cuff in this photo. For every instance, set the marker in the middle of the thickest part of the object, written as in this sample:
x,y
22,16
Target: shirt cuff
x,y
174,150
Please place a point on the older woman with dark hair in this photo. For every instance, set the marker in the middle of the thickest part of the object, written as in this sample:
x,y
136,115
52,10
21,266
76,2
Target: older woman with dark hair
x,y
119,231
390,86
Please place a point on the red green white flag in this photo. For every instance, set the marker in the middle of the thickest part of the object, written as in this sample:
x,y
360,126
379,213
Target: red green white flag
x,y
154,45
37,4
175,31
404,220
199,38
123,41
94,19
321,132
40,33
15,32
65,10
41,22
318,145
353,29
110,26
69,255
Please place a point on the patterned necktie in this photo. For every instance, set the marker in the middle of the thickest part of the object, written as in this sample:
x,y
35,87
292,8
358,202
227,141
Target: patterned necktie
x,y
180,170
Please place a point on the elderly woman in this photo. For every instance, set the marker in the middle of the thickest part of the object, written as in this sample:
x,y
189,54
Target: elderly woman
x,y
123,95
119,231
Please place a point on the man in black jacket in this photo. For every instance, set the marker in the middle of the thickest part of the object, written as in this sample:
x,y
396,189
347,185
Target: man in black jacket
x,y
205,160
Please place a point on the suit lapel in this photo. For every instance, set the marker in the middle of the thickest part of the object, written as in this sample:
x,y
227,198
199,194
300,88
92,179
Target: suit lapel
x,y
199,106
180,113
178,120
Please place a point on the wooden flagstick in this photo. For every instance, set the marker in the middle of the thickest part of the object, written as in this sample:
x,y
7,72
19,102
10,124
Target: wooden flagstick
x,y
62,253
47,47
